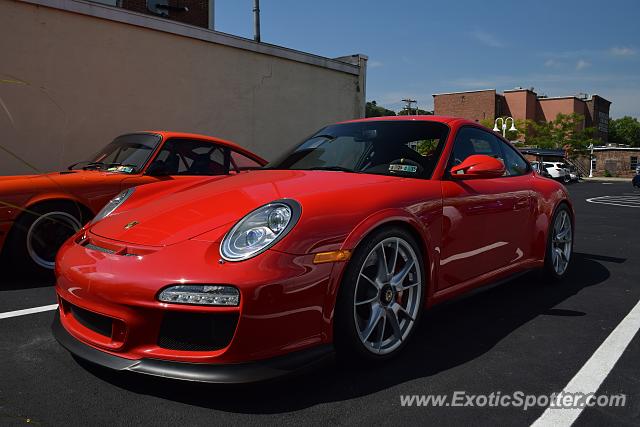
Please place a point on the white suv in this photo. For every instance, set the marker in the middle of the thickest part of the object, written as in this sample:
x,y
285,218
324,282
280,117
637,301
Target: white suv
x,y
558,171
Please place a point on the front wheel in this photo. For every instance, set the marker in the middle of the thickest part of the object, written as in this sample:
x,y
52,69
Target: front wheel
x,y
559,244
38,233
381,296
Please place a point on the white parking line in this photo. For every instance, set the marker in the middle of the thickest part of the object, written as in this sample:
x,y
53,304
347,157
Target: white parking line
x,y
26,311
632,201
592,374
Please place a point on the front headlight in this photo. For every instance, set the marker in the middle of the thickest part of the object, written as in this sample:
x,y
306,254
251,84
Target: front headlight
x,y
113,204
259,230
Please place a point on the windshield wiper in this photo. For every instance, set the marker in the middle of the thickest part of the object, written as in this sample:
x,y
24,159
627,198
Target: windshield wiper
x,y
331,168
88,162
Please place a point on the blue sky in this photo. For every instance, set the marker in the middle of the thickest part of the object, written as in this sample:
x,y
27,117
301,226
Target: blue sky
x,y
418,48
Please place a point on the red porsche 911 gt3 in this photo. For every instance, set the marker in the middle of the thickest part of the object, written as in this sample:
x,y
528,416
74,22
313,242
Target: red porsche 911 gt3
x,y
338,245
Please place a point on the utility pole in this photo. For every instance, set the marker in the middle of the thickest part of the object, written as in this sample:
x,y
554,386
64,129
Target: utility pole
x,y
410,101
256,20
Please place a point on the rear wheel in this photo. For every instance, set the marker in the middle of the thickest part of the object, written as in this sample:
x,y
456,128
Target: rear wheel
x,y
38,233
559,244
381,296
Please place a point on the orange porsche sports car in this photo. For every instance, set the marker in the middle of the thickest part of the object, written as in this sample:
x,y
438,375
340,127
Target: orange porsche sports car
x,y
39,212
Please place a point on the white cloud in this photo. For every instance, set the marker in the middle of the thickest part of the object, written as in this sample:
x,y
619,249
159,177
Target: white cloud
x,y
582,64
622,51
551,63
374,64
487,39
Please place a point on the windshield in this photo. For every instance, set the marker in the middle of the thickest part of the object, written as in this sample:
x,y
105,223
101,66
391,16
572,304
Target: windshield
x,y
399,148
126,154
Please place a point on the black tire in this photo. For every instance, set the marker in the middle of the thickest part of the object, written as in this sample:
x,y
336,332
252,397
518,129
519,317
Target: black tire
x,y
349,346
26,251
549,271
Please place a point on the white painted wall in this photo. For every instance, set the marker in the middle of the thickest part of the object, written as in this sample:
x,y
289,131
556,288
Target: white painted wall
x,y
71,80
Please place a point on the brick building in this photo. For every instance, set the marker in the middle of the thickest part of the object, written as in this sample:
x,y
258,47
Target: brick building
x,y
606,160
523,104
193,12
615,161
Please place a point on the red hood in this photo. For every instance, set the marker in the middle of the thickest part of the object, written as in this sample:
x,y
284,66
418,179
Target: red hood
x,y
55,180
169,214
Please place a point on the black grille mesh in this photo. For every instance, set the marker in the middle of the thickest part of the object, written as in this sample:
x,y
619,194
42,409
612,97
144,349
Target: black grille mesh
x,y
95,322
197,331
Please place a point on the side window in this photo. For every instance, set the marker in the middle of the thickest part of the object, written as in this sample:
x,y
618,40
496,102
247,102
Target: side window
x,y
190,157
513,161
470,141
240,162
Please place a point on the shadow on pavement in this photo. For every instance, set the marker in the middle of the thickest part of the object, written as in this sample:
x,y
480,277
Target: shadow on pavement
x,y
11,281
449,335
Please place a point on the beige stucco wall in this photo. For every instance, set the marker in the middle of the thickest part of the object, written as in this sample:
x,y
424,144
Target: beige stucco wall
x,y
69,83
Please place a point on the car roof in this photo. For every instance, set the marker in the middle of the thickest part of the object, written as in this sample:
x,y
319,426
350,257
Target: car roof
x,y
425,118
165,134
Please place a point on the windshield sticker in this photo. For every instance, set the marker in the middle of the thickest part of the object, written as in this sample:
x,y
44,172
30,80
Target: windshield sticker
x,y
403,168
125,169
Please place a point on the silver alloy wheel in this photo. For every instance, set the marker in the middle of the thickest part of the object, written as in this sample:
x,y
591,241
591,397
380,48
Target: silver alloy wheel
x,y
47,233
561,242
387,296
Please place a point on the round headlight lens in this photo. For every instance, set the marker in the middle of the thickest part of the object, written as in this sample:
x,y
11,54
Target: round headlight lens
x,y
259,230
279,218
113,204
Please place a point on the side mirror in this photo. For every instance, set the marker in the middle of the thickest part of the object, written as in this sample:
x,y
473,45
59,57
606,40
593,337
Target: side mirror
x,y
478,166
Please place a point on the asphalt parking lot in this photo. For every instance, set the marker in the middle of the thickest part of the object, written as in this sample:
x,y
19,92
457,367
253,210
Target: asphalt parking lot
x,y
520,336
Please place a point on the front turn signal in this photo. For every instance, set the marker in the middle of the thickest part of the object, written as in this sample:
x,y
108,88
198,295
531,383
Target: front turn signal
x,y
334,256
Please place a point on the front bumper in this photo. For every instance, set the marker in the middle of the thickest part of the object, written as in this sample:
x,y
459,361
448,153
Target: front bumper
x,y
201,372
108,303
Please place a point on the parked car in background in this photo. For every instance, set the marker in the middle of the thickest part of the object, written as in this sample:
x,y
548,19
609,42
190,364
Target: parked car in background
x,y
338,245
574,173
39,212
539,167
558,171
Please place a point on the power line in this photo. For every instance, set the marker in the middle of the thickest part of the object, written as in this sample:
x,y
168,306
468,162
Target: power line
x,y
408,102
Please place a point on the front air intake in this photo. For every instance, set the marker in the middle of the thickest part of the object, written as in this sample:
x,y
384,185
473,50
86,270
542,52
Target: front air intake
x,y
197,331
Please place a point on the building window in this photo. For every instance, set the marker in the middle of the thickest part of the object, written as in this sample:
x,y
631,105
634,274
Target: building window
x,y
603,122
634,162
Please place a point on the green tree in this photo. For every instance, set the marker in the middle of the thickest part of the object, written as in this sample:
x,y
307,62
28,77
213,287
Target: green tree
x,y
625,130
372,109
427,147
565,132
